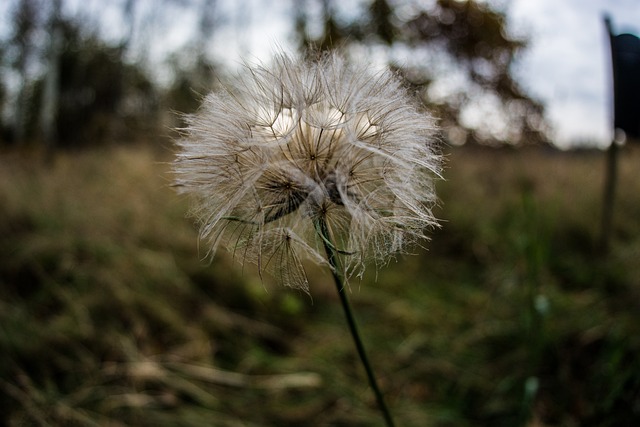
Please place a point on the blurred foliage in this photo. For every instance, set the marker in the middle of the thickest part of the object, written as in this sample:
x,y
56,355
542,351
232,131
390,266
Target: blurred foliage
x,y
102,98
457,56
19,54
193,80
471,35
110,316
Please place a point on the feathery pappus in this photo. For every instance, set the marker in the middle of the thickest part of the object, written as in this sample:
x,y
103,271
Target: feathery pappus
x,y
298,143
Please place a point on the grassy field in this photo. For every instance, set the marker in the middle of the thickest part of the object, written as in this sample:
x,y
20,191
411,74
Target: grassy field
x,y
109,316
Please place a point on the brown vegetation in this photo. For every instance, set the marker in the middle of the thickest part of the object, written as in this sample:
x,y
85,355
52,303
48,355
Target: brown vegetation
x,y
109,316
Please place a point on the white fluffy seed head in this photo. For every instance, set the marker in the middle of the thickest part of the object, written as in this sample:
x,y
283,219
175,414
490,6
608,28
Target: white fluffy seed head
x,y
300,141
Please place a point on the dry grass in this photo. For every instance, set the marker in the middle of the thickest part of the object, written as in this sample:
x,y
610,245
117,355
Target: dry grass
x,y
109,317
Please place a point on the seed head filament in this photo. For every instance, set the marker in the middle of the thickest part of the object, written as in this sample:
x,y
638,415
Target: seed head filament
x,y
279,194
293,143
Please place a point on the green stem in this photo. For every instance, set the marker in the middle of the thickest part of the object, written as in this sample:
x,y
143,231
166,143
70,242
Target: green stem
x,y
333,262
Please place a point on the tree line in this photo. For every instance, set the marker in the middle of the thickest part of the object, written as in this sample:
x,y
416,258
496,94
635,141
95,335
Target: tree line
x,y
83,73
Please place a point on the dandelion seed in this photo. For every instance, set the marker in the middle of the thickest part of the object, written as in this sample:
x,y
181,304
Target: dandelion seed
x,y
302,159
300,143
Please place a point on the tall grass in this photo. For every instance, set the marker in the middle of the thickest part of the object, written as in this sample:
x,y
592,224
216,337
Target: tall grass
x,y
510,317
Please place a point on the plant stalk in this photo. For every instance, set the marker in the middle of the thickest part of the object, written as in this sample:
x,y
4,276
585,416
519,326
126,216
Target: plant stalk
x,y
333,262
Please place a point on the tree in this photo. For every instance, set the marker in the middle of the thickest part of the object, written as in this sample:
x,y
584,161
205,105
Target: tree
x,y
27,19
457,55
51,90
102,97
193,68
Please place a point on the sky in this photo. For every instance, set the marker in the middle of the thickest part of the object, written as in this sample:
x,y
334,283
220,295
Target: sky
x,y
566,66
568,62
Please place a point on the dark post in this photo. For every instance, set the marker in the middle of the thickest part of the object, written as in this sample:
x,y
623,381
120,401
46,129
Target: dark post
x,y
625,64
609,196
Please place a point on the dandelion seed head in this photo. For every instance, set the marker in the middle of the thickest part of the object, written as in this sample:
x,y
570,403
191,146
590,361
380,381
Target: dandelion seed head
x,y
301,141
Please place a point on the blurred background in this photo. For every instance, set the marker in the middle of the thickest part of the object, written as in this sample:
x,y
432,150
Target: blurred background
x,y
522,310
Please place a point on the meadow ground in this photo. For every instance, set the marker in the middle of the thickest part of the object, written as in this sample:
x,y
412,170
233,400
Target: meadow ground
x,y
511,316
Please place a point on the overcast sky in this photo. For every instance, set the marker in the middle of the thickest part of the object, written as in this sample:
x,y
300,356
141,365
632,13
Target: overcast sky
x,y
567,65
568,62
